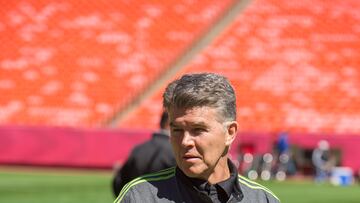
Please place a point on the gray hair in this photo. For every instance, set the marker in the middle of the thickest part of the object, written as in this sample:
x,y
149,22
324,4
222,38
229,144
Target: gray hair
x,y
202,89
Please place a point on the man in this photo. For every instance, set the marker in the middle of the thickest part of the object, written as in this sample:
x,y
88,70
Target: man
x,y
202,111
321,160
151,156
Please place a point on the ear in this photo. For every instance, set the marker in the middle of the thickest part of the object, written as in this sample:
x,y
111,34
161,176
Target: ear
x,y
231,128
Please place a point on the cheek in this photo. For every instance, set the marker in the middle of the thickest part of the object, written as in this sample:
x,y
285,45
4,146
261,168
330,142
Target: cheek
x,y
212,148
175,144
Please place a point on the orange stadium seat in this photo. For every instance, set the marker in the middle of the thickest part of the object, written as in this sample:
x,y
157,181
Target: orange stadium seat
x,y
76,63
294,64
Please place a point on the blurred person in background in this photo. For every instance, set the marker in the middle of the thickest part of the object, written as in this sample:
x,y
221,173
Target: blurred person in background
x,y
285,162
202,111
283,144
321,161
151,156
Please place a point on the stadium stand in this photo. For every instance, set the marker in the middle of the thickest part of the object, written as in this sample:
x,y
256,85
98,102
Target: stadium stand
x,y
294,66
76,63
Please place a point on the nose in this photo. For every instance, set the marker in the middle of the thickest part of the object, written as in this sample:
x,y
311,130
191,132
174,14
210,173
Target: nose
x,y
187,140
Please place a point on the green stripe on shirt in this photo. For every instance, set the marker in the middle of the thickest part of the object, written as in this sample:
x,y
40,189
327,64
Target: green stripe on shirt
x,y
161,175
255,185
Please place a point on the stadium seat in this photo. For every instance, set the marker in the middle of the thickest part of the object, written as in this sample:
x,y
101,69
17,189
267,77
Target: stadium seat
x,y
77,63
294,66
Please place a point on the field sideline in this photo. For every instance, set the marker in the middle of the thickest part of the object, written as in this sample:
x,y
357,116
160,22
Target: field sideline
x,y
74,186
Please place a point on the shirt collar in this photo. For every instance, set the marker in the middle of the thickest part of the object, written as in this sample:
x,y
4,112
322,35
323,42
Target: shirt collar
x,y
229,184
227,187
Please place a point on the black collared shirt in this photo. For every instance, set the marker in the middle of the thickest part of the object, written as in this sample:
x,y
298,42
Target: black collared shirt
x,y
172,185
219,192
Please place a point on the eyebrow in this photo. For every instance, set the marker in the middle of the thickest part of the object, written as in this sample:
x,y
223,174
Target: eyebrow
x,y
198,124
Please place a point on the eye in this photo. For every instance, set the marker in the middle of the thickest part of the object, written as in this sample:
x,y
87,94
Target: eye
x,y
199,130
176,131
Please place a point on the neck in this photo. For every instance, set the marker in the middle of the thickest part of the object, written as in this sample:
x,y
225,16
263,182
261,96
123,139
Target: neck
x,y
221,171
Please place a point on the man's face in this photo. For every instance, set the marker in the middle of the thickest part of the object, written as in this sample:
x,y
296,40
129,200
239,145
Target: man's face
x,y
198,139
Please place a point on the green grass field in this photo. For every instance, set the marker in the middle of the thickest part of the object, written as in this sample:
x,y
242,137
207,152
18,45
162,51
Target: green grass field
x,y
74,186
308,192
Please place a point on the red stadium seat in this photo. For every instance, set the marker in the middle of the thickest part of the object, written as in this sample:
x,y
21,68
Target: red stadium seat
x,y
295,67
76,63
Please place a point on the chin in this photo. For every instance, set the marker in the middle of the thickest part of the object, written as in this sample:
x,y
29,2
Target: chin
x,y
192,172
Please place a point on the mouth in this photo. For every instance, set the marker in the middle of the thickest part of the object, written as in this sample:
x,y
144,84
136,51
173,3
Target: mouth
x,y
188,157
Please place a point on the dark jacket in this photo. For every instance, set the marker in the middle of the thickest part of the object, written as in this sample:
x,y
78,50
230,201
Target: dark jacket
x,y
170,186
149,157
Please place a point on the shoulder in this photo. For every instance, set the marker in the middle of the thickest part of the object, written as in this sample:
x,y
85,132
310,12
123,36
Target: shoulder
x,y
142,148
256,190
145,185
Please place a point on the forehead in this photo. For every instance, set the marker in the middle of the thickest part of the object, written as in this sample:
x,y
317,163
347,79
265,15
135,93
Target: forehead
x,y
203,114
